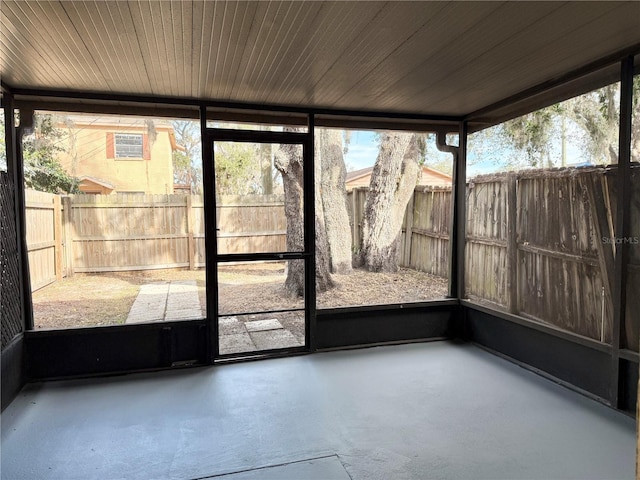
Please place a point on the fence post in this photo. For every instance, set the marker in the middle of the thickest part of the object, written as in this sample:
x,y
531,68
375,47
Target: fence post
x,y
57,235
190,240
408,231
66,231
354,209
512,245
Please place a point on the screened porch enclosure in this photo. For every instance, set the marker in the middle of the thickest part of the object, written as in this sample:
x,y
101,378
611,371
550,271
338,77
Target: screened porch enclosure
x,y
451,185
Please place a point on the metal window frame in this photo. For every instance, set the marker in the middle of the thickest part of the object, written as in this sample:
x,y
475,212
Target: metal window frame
x,y
127,157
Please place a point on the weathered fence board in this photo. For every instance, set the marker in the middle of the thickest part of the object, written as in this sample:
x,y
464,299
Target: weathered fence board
x,y
429,235
556,216
42,216
486,241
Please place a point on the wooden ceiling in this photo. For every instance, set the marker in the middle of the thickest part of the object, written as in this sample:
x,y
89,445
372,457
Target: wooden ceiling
x,y
441,58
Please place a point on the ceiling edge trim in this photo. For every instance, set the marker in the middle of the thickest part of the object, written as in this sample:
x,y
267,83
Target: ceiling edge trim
x,y
103,101
544,87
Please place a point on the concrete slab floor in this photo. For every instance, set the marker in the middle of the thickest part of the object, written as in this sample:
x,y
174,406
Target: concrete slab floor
x,y
434,410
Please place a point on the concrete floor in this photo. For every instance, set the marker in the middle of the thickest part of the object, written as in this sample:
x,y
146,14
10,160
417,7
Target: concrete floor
x,y
435,410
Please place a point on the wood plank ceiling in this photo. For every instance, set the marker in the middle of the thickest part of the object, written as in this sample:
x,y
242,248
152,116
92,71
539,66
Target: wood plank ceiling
x,y
445,58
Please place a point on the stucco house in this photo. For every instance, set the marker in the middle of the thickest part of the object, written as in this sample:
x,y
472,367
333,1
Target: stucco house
x,y
112,154
428,176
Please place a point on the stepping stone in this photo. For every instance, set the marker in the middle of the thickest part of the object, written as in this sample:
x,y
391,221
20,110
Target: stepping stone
x,y
262,325
236,343
268,339
230,326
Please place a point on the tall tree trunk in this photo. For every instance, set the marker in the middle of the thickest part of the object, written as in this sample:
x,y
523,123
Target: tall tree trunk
x,y
393,180
332,176
289,162
266,168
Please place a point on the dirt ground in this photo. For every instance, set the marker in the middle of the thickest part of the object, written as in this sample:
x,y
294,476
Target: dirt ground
x,y
105,299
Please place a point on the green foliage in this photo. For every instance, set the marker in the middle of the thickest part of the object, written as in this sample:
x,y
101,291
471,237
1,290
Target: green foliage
x,y
237,169
42,170
181,161
531,133
593,119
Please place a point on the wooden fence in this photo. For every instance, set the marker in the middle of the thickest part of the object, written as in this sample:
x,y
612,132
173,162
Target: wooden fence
x,y
538,243
102,233
424,239
133,232
106,233
251,224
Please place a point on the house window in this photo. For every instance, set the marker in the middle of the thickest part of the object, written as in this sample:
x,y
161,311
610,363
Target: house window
x,y
128,145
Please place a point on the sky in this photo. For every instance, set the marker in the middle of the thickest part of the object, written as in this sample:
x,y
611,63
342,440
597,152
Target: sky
x,y
363,150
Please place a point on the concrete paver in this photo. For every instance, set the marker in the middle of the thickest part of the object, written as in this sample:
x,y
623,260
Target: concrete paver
x,y
230,326
150,304
261,325
269,339
236,343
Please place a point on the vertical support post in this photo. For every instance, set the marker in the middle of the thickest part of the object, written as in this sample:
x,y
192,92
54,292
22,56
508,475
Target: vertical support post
x,y
458,207
408,231
461,206
310,237
360,197
67,222
15,164
622,224
355,242
513,288
16,174
191,247
211,243
57,235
